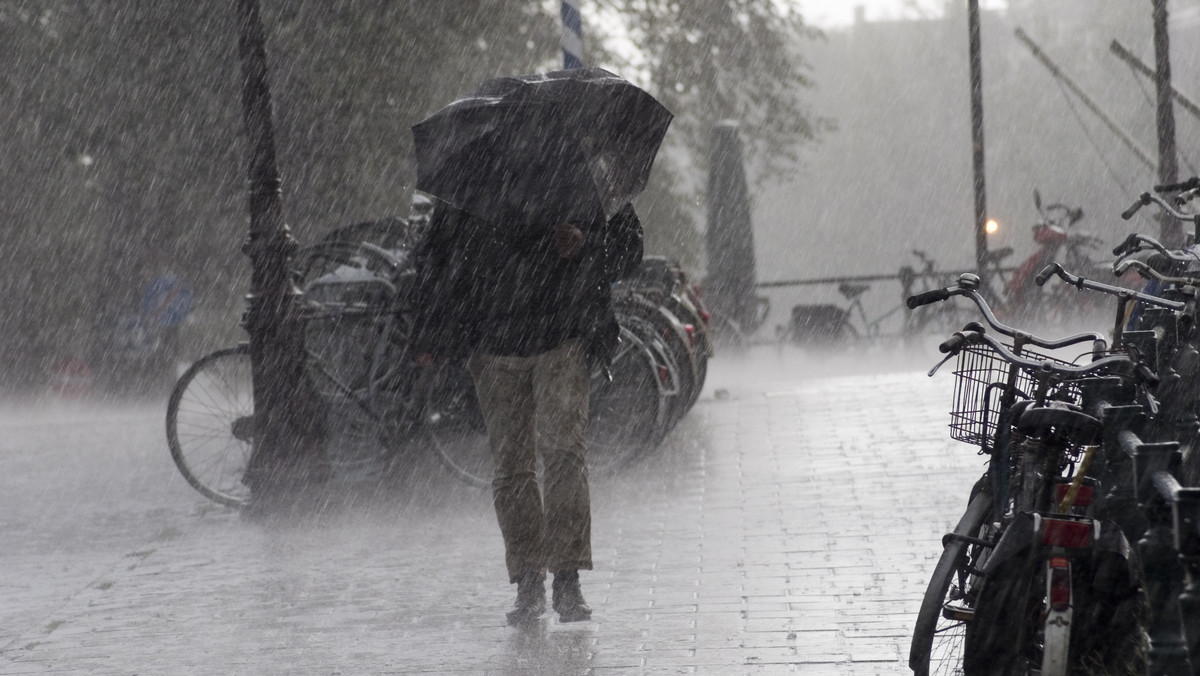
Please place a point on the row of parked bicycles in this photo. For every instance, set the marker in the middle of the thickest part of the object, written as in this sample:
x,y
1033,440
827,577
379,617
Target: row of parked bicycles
x,y
1079,549
1015,295
372,408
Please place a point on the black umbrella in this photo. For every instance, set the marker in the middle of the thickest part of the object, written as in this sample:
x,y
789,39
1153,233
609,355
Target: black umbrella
x,y
569,145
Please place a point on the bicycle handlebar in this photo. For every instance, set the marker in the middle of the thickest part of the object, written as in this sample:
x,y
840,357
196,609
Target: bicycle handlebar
x,y
1146,198
953,344
1142,201
926,298
1122,364
1056,270
1133,243
1048,272
1190,184
967,285
1148,270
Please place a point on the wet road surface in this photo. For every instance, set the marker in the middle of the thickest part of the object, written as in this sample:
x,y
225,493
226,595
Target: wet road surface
x,y
787,525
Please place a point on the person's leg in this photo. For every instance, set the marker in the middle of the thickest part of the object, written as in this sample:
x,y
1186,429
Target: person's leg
x,y
561,384
504,388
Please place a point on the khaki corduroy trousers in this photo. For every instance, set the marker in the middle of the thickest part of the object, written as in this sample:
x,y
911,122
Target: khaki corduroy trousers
x,y
539,406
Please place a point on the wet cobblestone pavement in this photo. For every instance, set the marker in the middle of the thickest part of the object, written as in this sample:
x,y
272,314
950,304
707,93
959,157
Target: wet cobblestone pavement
x,y
788,525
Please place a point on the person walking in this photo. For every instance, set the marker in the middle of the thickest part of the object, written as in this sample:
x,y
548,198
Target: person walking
x,y
529,308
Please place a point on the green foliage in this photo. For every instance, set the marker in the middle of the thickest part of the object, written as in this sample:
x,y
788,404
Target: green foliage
x,y
711,60
124,149
707,61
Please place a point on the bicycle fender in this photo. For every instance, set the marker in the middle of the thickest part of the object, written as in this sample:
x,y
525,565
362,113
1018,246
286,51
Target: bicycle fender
x,y
1019,536
1015,541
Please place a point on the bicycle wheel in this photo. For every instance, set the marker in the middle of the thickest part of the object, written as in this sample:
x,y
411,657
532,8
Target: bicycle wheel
x,y
452,424
939,638
643,316
628,413
1014,634
357,354
683,355
681,307
210,425
670,375
626,416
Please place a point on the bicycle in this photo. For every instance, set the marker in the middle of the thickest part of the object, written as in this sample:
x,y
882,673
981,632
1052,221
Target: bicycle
x,y
355,348
932,320
1058,241
825,326
1012,591
829,325
679,311
354,321
651,321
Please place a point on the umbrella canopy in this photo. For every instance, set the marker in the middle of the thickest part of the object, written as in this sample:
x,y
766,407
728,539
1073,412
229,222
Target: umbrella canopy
x,y
570,145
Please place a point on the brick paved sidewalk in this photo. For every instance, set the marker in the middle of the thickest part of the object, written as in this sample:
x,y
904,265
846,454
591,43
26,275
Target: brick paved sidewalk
x,y
788,526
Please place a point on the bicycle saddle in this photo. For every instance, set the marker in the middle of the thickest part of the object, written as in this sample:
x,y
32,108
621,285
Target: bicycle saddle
x,y
1060,419
852,291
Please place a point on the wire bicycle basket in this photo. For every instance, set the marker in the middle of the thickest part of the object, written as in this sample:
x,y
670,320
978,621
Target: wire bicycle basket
x,y
980,379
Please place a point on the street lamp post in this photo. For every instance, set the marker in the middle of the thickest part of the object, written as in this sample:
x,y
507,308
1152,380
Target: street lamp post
x,y
1171,232
275,348
977,139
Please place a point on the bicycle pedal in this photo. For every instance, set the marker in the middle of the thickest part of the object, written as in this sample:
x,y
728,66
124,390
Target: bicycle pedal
x,y
956,614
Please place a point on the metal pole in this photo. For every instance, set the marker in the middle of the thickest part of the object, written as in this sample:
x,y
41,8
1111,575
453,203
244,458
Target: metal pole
x,y
275,362
572,37
977,140
1171,232
1087,101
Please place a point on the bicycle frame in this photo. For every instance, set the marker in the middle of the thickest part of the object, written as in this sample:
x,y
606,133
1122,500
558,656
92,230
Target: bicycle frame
x,y
1141,490
1039,512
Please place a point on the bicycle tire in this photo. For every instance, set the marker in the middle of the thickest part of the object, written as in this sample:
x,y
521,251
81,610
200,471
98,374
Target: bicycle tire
x,y
670,378
451,423
464,452
1106,631
627,415
210,425
633,401
643,317
686,364
946,657
685,310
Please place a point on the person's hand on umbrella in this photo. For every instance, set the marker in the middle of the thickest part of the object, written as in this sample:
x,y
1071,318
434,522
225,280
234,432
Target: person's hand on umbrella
x,y
568,240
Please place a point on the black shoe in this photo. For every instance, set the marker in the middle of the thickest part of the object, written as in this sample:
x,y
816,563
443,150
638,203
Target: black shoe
x,y
568,598
531,600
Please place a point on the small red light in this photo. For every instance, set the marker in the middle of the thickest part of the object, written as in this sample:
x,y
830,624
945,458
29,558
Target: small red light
x,y
663,374
1066,533
691,334
1082,499
706,316
1060,583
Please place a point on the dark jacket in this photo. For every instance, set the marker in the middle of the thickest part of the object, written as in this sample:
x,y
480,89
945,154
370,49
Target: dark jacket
x,y
480,286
